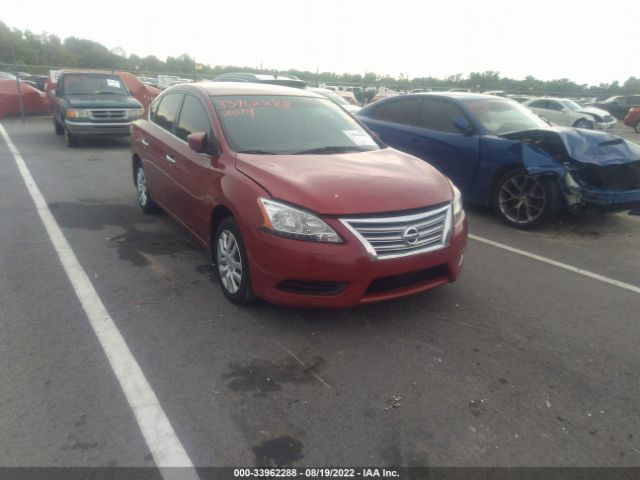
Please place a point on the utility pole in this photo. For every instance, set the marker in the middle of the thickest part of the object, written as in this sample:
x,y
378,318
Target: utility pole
x,y
15,65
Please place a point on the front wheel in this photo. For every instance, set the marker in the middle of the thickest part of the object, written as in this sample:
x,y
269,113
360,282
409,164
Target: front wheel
x,y
584,123
72,140
637,127
524,201
232,266
59,129
146,203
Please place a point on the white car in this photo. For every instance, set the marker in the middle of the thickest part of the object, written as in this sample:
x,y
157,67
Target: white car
x,y
335,98
565,112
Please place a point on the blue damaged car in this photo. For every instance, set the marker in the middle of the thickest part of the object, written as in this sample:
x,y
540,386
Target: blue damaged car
x,y
501,154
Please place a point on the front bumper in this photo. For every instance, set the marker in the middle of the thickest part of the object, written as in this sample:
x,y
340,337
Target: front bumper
x,y
97,129
606,125
611,201
278,263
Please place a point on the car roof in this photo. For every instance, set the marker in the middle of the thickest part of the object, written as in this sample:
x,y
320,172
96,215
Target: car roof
x,y
454,95
68,71
556,99
243,88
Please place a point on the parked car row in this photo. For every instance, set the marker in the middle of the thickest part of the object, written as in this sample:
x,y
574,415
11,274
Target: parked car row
x,y
301,203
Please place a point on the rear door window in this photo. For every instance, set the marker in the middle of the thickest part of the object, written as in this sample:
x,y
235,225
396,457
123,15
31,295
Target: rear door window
x,y
167,112
438,114
553,105
403,111
193,118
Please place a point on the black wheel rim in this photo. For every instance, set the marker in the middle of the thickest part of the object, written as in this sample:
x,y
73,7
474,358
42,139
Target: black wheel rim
x,y
522,199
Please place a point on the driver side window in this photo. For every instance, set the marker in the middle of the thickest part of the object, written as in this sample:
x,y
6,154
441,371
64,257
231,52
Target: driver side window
x,y
193,118
437,114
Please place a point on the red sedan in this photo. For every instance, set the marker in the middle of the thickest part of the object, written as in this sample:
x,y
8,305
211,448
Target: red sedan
x,y
633,119
297,203
34,102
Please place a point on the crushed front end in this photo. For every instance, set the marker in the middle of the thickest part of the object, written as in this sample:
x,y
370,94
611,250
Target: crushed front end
x,y
594,169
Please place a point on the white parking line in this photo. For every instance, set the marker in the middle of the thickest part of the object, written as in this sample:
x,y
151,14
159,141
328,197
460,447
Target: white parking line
x,y
155,426
564,266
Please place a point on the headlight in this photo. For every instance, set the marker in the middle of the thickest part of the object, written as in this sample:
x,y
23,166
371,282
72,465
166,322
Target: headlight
x,y
75,113
287,221
136,113
457,200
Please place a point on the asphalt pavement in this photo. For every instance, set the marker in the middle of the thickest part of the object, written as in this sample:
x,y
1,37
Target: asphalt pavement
x,y
519,363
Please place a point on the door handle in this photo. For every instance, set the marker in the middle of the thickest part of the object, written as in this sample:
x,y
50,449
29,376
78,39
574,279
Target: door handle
x,y
170,159
145,142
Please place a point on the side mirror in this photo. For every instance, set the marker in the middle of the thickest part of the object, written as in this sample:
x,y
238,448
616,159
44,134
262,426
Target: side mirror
x,y
199,142
463,125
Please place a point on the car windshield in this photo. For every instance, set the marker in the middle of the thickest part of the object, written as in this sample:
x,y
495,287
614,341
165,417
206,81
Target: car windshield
x,y
91,84
500,117
270,124
334,97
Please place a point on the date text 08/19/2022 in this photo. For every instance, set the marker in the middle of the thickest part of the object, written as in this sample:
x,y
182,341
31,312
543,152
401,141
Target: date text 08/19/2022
x,y
313,473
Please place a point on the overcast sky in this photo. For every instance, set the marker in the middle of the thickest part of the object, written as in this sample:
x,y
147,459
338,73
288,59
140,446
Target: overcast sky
x,y
588,42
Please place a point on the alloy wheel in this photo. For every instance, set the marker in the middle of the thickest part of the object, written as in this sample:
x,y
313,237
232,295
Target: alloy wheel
x,y
522,199
141,182
229,261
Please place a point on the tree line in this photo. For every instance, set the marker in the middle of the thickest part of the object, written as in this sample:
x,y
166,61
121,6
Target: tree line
x,y
38,52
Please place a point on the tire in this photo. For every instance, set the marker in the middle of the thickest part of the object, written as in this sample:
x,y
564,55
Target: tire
x,y
636,127
72,140
57,127
584,123
523,201
232,268
146,203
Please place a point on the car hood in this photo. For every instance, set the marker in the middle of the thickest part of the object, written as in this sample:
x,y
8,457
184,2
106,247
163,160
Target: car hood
x,y
379,181
588,146
596,111
102,101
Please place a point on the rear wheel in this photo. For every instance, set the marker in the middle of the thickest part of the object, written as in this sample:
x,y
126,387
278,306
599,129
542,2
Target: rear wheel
x,y
637,127
59,129
232,267
72,140
524,201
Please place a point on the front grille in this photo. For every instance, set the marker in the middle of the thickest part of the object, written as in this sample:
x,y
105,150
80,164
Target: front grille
x,y
107,114
616,178
407,279
305,287
399,235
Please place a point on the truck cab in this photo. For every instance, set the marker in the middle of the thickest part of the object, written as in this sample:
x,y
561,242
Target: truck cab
x,y
90,104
